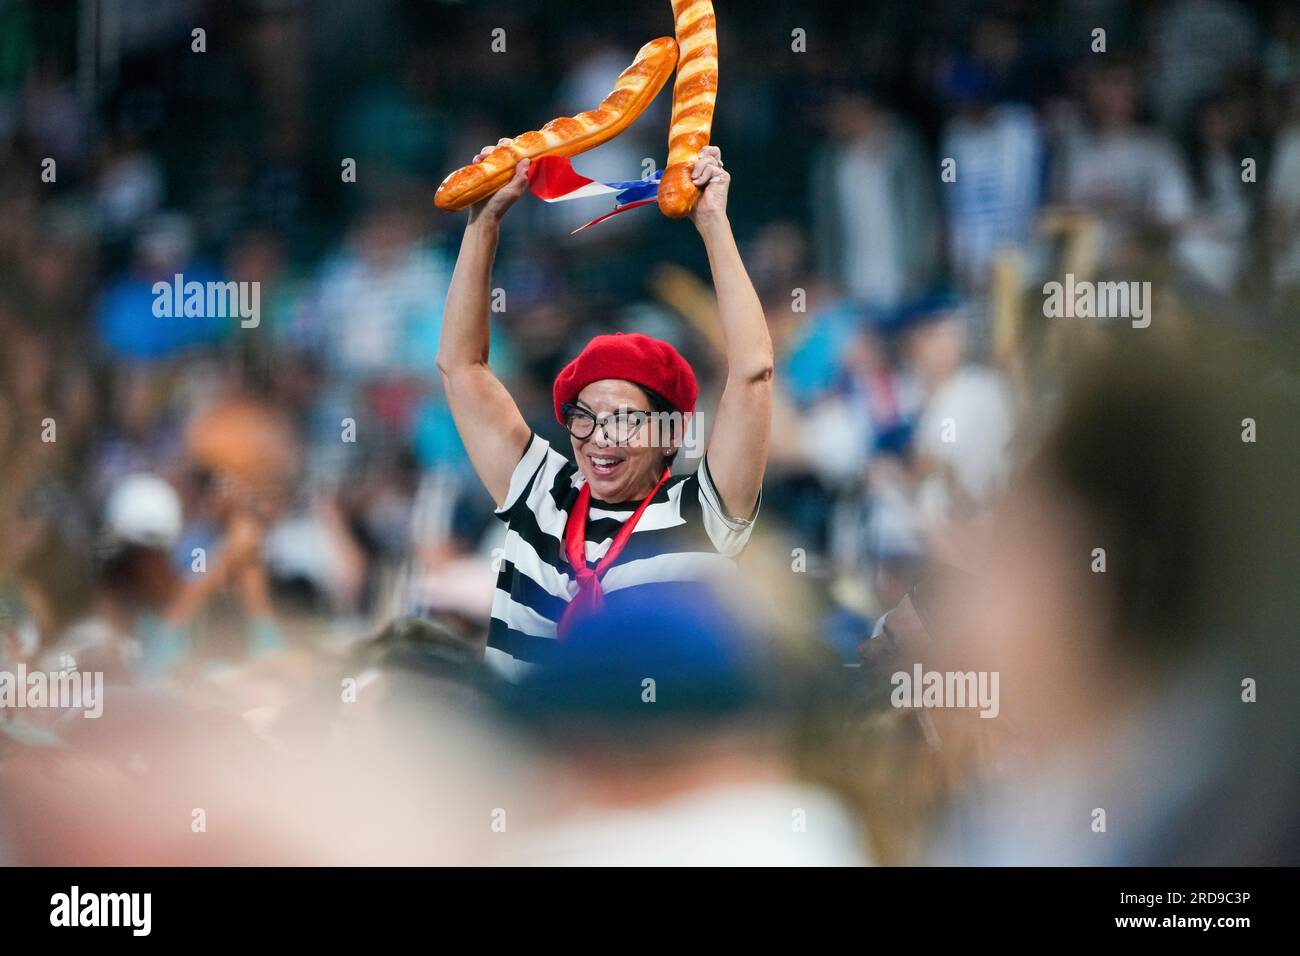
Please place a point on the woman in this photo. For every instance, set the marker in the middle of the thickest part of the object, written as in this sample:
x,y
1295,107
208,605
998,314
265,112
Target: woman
x,y
616,519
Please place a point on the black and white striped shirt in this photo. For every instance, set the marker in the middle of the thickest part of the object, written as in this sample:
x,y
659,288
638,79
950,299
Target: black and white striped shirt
x,y
682,536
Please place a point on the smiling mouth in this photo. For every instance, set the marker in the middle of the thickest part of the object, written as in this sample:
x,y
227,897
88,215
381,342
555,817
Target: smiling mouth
x,y
603,466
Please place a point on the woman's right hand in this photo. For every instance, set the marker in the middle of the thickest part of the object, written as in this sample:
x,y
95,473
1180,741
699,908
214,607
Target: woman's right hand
x,y
494,207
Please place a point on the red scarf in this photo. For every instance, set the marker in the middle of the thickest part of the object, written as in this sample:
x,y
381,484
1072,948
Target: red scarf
x,y
590,597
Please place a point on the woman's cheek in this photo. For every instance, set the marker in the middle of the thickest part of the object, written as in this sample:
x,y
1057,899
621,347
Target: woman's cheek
x,y
646,460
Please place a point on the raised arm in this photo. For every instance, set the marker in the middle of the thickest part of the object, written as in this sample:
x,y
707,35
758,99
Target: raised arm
x,y
487,418
737,450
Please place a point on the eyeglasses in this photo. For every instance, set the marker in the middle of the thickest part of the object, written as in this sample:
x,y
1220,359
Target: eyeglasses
x,y
620,427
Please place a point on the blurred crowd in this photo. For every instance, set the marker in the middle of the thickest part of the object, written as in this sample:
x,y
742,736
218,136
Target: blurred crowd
x,y
235,512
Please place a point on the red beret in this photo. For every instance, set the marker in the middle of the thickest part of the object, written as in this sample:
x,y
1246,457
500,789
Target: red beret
x,y
635,358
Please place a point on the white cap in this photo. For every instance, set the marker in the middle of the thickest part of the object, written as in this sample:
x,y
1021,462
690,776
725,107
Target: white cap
x,y
144,510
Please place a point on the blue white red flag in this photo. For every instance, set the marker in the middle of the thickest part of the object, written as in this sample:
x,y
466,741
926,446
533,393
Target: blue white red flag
x,y
553,179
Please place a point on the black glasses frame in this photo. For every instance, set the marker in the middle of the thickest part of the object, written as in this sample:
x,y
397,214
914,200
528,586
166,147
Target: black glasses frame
x,y
573,414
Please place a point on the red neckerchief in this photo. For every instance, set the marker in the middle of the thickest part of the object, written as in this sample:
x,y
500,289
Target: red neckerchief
x,y
590,597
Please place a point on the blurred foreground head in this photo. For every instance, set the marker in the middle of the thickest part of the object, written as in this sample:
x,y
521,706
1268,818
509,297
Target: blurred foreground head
x,y
421,659
661,669
1155,526
1139,606
670,727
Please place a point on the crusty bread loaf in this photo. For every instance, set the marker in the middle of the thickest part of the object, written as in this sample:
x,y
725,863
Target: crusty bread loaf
x,y
694,93
568,135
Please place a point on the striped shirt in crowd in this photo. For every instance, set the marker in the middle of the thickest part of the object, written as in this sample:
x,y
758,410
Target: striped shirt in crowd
x,y
682,536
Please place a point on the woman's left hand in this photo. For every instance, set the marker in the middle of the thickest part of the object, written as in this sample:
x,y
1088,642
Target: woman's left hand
x,y
712,180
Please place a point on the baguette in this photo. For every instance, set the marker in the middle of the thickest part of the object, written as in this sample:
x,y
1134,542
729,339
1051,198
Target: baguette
x,y
694,93
568,135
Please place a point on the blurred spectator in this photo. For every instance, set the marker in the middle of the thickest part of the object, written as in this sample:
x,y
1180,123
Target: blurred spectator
x,y
1282,49
1283,185
380,301
127,632
129,190
1000,164
965,424
673,734
873,204
1217,243
1125,174
126,321
397,129
1197,44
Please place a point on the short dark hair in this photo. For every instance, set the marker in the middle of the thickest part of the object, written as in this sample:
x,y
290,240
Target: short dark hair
x,y
657,402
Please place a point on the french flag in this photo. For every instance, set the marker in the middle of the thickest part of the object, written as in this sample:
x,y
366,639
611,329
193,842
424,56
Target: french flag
x,y
553,179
